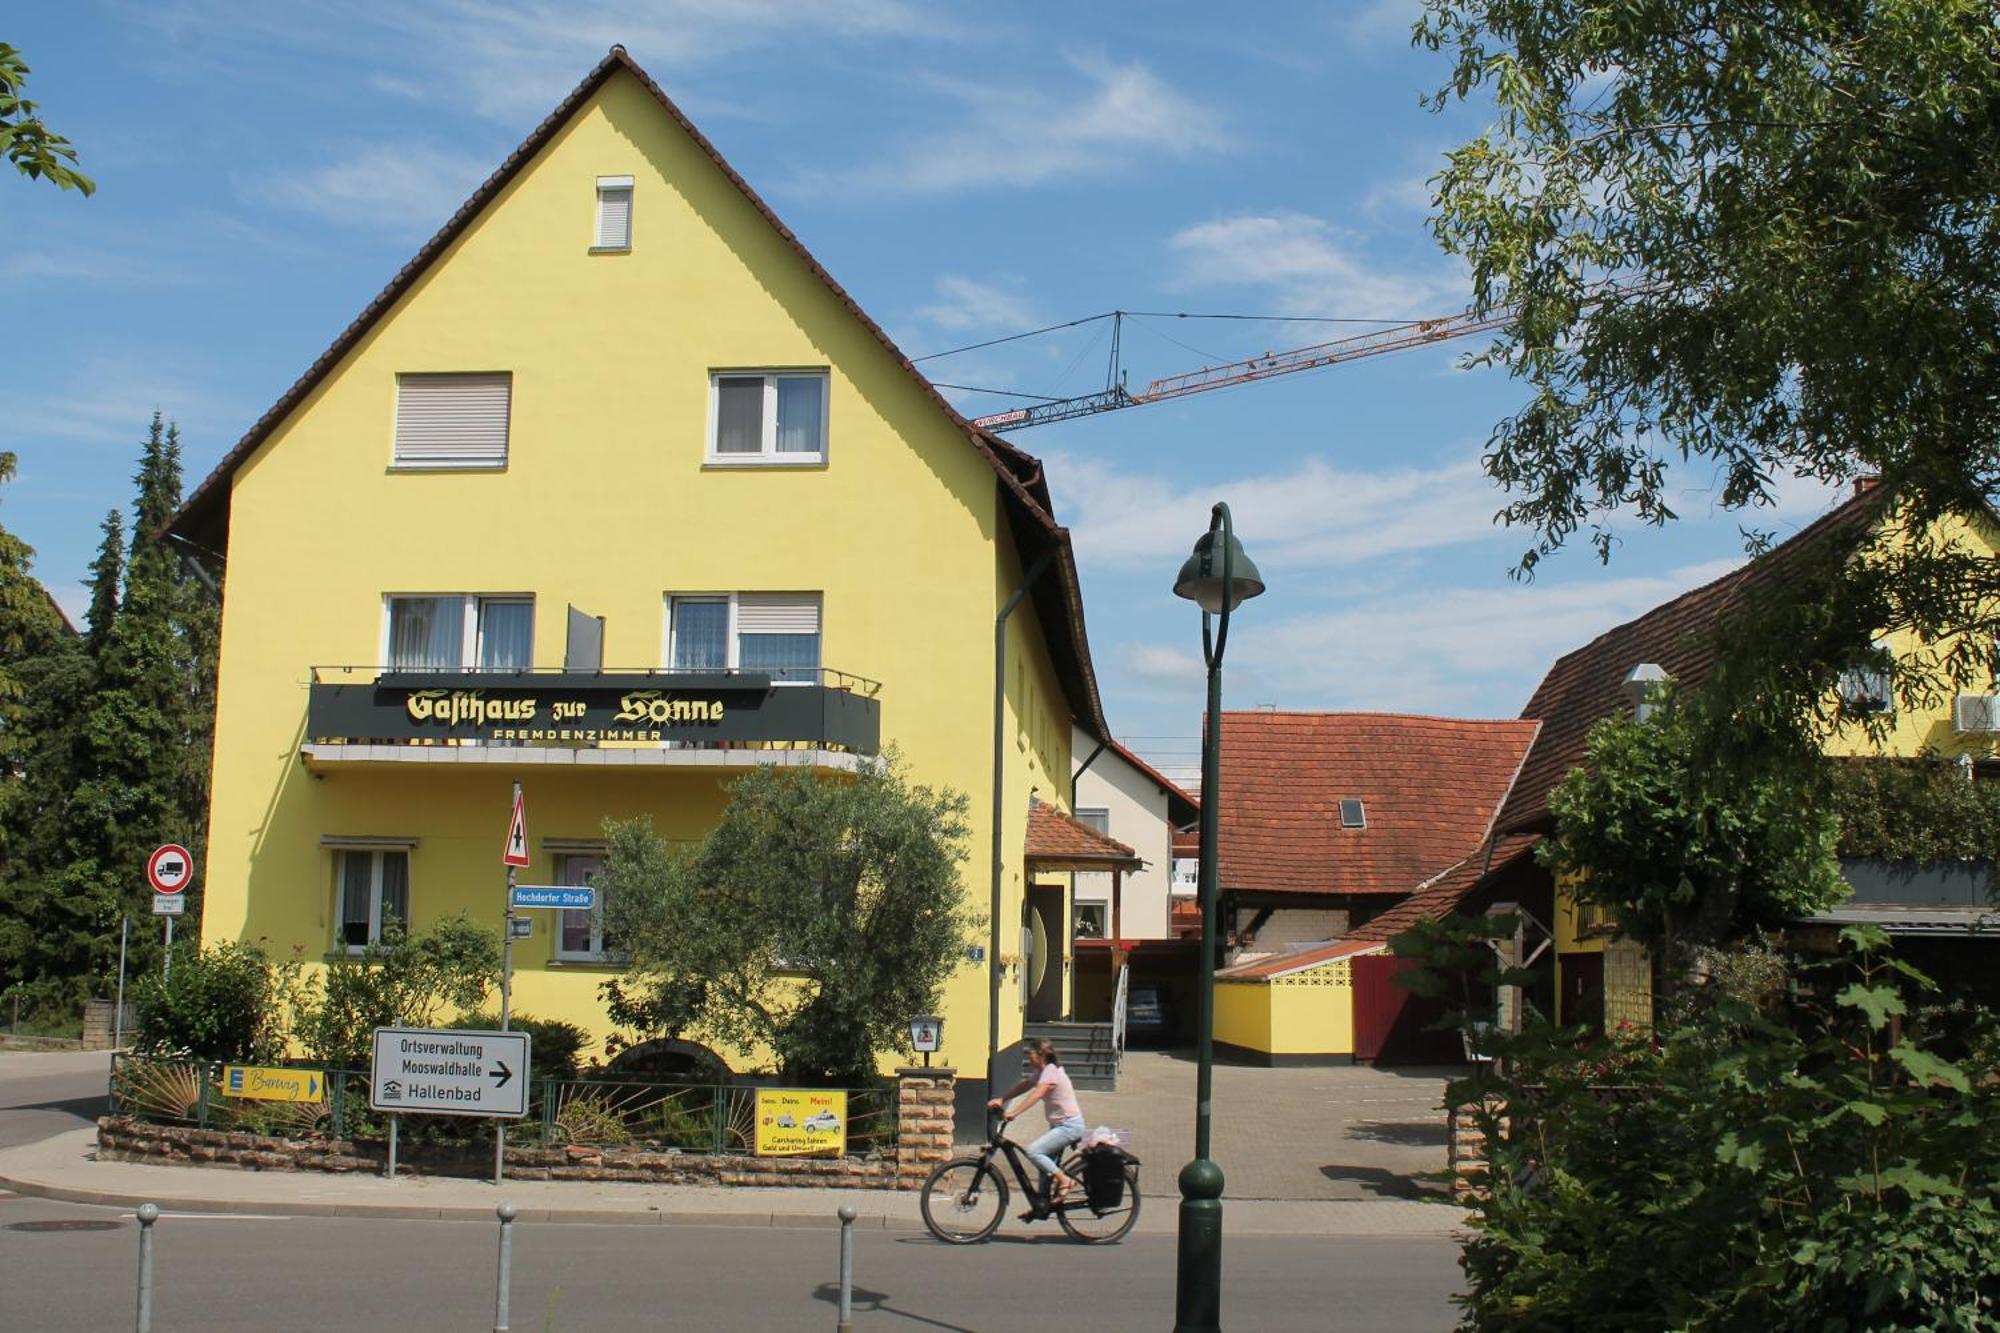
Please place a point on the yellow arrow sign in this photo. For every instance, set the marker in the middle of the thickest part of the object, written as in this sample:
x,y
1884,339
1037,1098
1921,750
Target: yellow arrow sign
x,y
273,1085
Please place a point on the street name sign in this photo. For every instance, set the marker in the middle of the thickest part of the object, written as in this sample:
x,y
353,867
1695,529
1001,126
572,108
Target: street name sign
x,y
571,897
449,1072
170,868
265,1084
520,927
169,904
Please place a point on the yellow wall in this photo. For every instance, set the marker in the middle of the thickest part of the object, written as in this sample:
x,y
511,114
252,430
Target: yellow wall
x,y
1305,1013
606,503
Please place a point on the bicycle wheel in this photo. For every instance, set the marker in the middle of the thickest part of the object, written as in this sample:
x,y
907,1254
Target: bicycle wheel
x,y
964,1201
1091,1226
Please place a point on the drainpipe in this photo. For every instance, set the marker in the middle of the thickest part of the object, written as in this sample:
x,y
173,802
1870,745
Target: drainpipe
x,y
1035,570
1081,769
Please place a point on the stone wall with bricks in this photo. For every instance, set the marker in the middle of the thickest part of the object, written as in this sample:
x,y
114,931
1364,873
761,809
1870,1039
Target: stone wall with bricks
x,y
1467,1151
923,1139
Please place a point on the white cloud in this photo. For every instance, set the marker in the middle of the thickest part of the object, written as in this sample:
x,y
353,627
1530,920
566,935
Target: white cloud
x,y
1380,23
1456,651
1014,134
965,303
1301,266
1313,515
401,188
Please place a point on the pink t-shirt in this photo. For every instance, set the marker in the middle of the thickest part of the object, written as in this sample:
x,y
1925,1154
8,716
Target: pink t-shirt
x,y
1061,1097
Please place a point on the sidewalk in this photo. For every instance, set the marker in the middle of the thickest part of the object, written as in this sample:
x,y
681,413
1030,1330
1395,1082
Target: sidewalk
x,y
65,1168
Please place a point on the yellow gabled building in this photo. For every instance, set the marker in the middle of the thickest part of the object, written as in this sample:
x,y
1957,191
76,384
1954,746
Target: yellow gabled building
x,y
614,492
1599,977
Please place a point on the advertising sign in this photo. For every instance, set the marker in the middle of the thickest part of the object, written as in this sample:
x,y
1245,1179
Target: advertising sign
x,y
801,1122
264,1084
566,896
449,1072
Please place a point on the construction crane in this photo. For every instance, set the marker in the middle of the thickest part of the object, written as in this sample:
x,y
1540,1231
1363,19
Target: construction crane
x,y
1115,395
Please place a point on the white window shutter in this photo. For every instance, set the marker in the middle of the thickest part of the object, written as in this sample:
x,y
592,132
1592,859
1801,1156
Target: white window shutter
x,y
777,613
452,420
614,213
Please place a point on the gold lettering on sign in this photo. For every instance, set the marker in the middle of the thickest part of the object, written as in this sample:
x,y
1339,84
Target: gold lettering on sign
x,y
452,707
650,706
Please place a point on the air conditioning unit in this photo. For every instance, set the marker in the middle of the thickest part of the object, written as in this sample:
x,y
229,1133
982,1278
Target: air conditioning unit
x,y
1976,712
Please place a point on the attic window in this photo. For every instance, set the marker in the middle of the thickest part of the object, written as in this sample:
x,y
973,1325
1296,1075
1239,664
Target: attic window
x,y
1352,815
614,213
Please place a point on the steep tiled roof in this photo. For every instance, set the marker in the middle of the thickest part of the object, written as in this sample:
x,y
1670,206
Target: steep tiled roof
x,y
1441,897
1430,786
1055,837
1584,686
203,519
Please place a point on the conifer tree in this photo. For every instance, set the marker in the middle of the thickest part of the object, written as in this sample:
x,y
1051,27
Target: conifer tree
x,y
105,573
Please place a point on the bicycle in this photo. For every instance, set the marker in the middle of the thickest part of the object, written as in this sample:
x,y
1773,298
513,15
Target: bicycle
x,y
965,1199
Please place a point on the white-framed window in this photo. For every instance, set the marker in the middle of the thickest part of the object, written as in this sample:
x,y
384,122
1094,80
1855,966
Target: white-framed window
x,y
452,420
371,890
776,632
1868,686
767,416
580,935
1097,817
614,214
458,632
1088,921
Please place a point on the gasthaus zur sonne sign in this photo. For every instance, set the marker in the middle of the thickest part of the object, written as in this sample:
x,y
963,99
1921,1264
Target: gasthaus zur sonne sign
x,y
443,1071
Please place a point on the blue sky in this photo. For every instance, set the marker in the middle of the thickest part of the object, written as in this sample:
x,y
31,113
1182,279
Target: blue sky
x,y
966,172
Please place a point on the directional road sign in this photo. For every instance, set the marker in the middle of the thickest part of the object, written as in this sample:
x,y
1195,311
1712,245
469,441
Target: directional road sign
x,y
572,897
169,904
170,868
449,1072
267,1084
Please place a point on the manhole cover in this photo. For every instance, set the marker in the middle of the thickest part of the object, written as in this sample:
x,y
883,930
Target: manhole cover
x,y
66,1224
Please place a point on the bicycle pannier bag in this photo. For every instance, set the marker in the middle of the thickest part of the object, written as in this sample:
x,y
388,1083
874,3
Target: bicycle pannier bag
x,y
1104,1178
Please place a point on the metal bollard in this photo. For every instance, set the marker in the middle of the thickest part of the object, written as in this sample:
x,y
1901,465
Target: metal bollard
x,y
847,1216
505,1212
149,1213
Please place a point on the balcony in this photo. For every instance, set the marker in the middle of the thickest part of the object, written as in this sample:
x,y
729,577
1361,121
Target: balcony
x,y
366,717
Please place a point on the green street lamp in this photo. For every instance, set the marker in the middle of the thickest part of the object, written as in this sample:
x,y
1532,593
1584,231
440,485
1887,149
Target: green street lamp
x,y
1218,577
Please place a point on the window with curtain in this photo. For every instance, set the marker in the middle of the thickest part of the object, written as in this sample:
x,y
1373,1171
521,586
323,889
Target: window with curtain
x,y
777,633
426,633
582,937
373,892
778,417
506,634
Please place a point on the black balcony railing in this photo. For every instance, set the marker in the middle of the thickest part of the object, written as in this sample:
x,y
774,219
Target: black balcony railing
x,y
818,708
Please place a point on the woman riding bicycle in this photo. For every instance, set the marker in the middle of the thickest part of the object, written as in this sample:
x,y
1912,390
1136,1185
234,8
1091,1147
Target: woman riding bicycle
x,y
1047,1083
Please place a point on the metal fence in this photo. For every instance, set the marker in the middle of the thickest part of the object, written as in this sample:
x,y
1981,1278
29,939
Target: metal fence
x,y
602,1111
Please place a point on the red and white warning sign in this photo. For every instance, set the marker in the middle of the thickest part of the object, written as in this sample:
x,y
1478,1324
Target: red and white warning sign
x,y
170,868
516,853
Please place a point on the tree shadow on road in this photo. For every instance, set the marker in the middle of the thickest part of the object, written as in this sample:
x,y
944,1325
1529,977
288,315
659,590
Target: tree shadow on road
x,y
1424,1185
1432,1133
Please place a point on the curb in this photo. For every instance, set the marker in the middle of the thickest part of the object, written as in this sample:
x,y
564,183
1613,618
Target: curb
x,y
441,1213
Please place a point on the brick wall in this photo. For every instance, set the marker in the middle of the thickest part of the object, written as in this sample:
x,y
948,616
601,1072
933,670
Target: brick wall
x,y
1467,1150
923,1119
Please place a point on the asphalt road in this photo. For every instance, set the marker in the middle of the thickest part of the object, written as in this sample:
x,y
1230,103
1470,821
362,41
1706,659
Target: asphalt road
x,y
47,1092
220,1274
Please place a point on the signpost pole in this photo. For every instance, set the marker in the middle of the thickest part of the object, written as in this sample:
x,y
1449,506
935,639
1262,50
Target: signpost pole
x,y
516,825
118,1015
167,960
392,1145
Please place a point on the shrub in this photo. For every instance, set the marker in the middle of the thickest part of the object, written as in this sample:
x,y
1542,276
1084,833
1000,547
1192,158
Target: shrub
x,y
218,1003
553,1046
406,980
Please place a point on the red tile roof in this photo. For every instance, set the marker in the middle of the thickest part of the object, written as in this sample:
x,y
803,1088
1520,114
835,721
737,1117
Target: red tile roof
x,y
1186,843
1055,837
1430,786
1442,896
1585,686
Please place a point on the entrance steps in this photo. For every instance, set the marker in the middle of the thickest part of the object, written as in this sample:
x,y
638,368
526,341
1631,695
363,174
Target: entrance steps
x,y
1088,1054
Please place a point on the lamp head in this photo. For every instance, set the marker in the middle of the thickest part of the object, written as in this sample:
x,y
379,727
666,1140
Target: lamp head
x,y
1201,577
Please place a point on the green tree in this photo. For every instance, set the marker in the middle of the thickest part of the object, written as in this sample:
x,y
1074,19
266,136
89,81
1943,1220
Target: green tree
x,y
1759,240
406,979
813,920
1687,853
107,571
36,151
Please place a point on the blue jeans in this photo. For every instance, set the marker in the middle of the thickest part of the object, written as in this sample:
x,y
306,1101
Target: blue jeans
x,y
1062,1134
